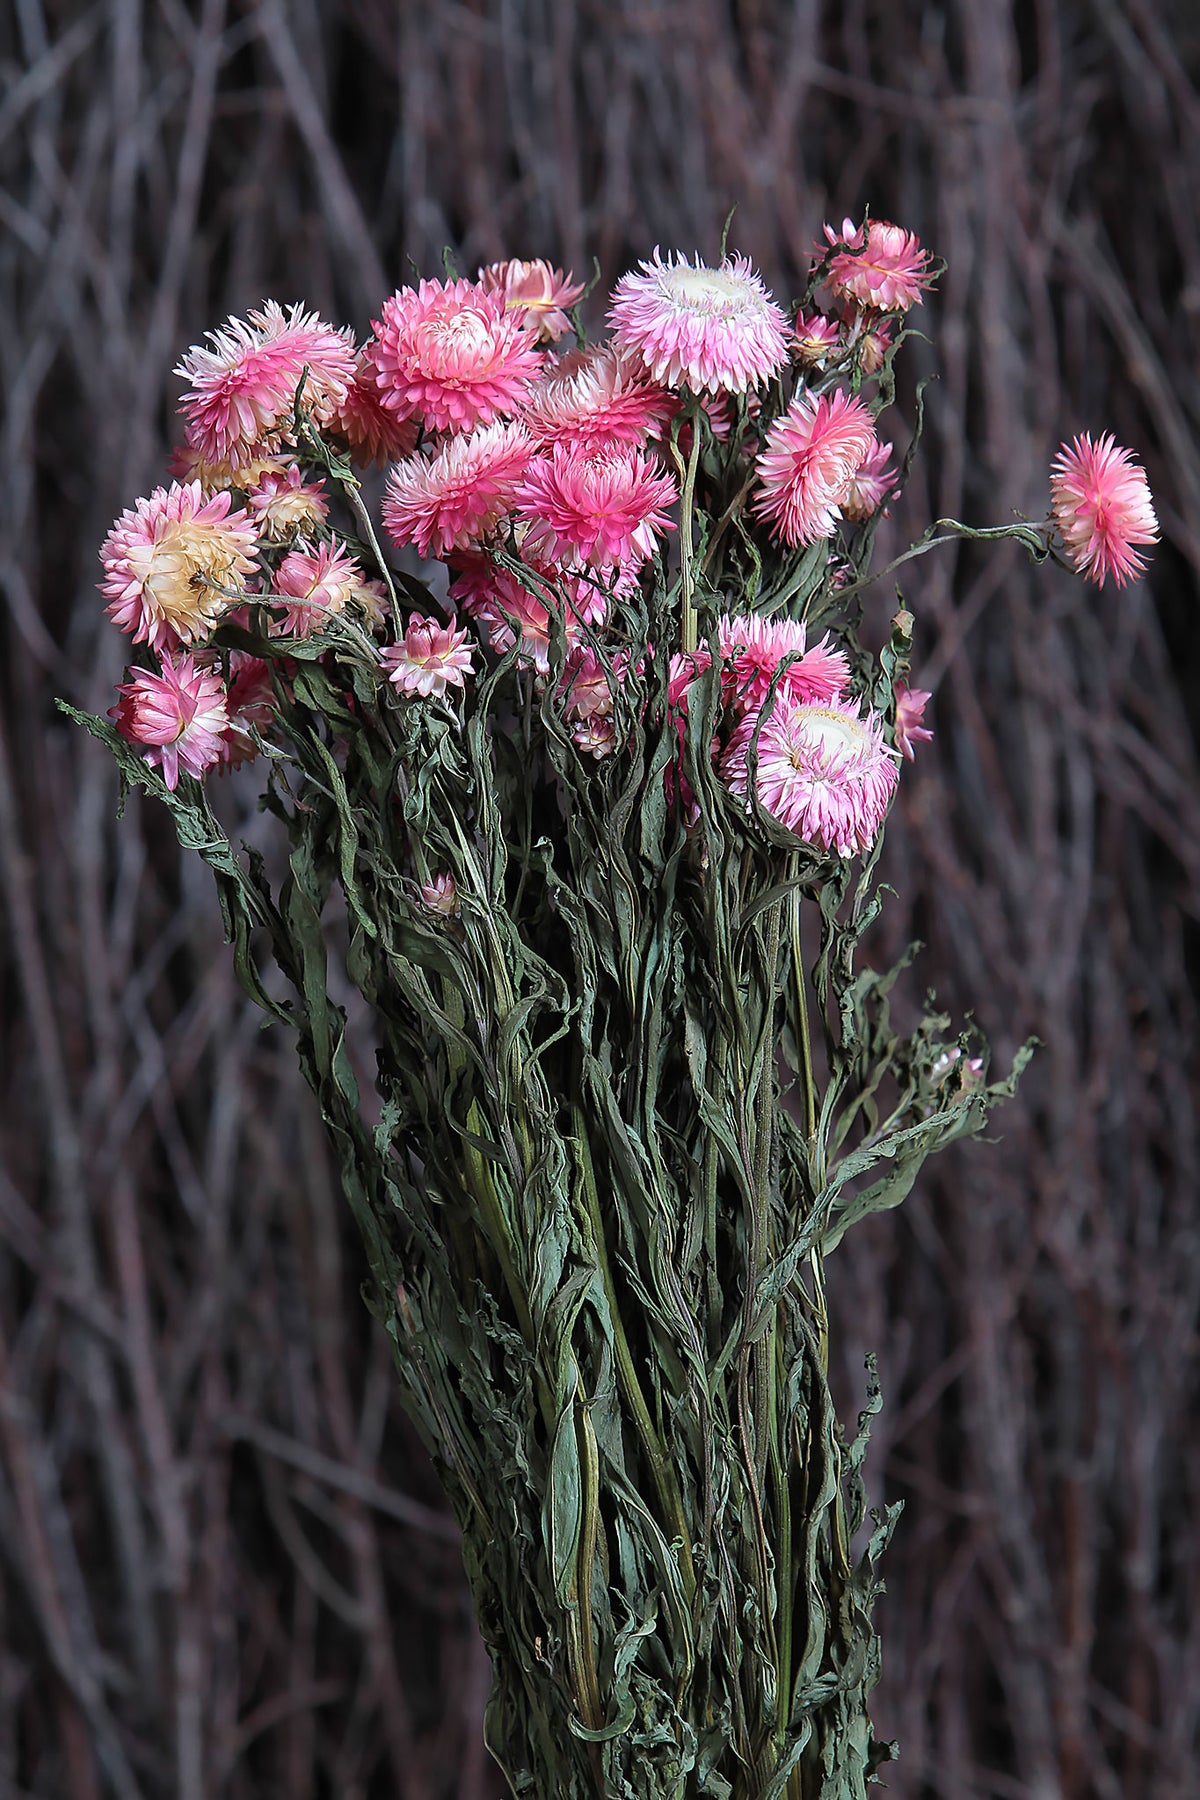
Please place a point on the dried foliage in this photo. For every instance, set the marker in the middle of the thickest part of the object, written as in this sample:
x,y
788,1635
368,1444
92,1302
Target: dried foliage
x,y
212,1520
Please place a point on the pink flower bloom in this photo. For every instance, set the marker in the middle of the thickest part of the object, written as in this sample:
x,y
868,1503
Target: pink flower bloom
x,y
910,710
285,505
812,453
454,498
450,355
315,584
752,648
1100,501
371,432
878,265
250,702
870,485
717,330
595,399
429,659
242,390
185,463
603,509
823,771
815,339
441,896
167,560
179,713
873,345
537,294
509,613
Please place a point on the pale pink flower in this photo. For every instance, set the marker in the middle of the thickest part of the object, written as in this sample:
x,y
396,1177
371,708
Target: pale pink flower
x,y
815,339
450,355
717,330
873,344
243,389
910,710
441,896
371,431
752,649
878,265
596,399
185,463
511,615
812,453
370,598
595,736
179,713
429,659
1100,501
250,702
285,505
314,584
823,770
537,294
452,499
870,485
603,509
582,595
588,683
167,560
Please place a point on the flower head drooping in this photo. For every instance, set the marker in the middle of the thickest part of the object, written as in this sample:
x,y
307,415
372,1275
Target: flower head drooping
x,y
537,294
752,649
1100,501
180,714
812,453
910,710
602,509
166,562
815,339
598,400
877,265
717,330
371,431
823,770
870,485
450,355
315,584
286,505
242,390
454,498
428,659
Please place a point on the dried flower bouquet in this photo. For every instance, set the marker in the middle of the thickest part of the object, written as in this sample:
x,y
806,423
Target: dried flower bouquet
x,y
603,797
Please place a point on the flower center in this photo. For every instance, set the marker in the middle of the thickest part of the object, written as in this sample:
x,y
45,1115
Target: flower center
x,y
713,292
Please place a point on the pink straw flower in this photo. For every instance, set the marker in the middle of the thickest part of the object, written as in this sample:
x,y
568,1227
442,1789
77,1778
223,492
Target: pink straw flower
x,y
812,453
535,293
717,330
454,498
1100,501
315,584
870,485
371,431
511,615
285,505
910,710
167,560
752,649
429,659
250,702
242,390
450,355
179,713
878,265
596,399
823,771
603,509
441,896
815,339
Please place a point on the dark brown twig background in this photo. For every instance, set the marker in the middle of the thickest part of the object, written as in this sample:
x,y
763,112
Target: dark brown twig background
x,y
226,1569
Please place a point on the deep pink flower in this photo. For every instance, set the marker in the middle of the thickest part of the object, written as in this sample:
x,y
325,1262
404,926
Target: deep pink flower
x,y
752,649
454,498
603,509
1100,501
180,714
242,390
910,710
167,560
315,584
250,702
812,453
429,658
450,355
371,431
717,330
878,265
509,613
823,770
537,294
595,399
